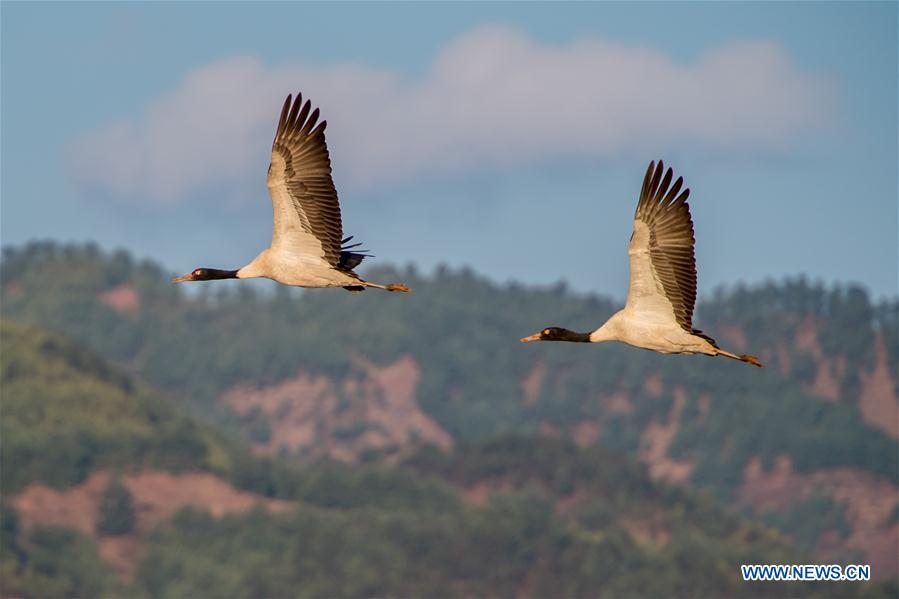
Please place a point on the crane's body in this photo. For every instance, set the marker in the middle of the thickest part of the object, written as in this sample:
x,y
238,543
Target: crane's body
x,y
658,315
297,270
308,248
633,329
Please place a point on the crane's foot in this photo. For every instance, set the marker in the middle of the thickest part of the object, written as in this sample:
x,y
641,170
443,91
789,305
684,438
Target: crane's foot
x,y
742,357
394,287
751,359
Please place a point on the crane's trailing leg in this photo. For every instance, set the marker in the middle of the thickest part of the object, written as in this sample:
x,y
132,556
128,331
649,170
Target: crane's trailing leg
x,y
742,357
395,287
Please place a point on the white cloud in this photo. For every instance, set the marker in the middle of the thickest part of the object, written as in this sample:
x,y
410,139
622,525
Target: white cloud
x,y
492,97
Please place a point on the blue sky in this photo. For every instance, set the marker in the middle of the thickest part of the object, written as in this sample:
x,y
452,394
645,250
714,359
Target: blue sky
x,y
509,137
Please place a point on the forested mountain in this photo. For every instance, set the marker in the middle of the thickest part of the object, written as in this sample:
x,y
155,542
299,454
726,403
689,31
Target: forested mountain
x,y
807,445
66,413
132,509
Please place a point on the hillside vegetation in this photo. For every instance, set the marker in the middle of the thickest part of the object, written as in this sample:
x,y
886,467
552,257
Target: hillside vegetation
x,y
513,515
462,332
807,445
66,413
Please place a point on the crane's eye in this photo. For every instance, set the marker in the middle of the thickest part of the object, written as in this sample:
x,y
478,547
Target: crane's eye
x,y
547,331
198,272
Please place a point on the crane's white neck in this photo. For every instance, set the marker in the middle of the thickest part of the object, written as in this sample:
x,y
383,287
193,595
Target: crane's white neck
x,y
259,267
608,331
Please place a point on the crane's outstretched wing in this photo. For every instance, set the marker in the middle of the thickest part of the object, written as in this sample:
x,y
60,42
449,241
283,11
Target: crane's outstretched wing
x,y
307,213
663,266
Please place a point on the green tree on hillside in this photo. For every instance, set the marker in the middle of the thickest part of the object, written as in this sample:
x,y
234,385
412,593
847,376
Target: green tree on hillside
x,y
116,511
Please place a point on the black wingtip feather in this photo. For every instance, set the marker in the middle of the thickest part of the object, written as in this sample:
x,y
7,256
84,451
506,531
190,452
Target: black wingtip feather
x,y
284,110
310,122
663,186
292,116
672,193
656,177
304,113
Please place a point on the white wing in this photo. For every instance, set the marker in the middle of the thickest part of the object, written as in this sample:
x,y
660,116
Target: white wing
x,y
304,201
663,267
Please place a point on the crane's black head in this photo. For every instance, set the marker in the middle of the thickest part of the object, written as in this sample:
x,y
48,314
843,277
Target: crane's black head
x,y
557,334
206,274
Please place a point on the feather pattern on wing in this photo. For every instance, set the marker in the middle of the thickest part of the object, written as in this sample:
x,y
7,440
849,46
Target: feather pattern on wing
x,y
307,212
663,265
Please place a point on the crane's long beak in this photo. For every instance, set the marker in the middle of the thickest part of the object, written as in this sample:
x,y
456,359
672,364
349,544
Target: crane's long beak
x,y
528,339
188,277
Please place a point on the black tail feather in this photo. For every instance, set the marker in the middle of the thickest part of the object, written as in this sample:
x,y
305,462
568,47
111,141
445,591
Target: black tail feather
x,y
350,260
699,333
